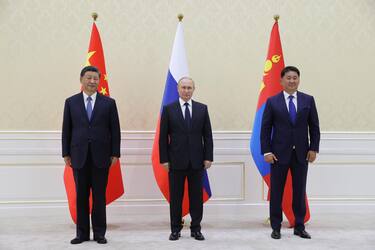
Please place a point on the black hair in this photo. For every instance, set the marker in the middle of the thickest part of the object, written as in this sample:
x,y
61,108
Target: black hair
x,y
89,69
288,69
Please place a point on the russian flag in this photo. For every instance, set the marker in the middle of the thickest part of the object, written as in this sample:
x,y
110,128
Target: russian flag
x,y
178,68
271,86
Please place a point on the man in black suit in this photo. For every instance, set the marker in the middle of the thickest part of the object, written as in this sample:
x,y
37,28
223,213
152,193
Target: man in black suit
x,y
290,138
90,145
186,149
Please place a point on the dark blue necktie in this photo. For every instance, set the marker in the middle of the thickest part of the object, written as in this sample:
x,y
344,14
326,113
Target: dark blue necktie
x,y
187,115
292,110
89,108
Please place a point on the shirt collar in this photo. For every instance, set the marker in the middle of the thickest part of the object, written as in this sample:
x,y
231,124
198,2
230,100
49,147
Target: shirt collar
x,y
93,96
286,95
182,102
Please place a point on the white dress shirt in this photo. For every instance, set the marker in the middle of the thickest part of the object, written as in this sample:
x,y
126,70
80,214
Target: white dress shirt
x,y
93,98
183,107
286,96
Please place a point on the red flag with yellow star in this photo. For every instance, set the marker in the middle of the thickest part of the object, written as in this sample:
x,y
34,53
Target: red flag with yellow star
x,y
115,187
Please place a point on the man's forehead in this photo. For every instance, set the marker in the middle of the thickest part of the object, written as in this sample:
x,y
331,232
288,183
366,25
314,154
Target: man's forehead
x,y
91,73
186,82
291,73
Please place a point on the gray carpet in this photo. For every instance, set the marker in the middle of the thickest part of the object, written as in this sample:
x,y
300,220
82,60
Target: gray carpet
x,y
342,226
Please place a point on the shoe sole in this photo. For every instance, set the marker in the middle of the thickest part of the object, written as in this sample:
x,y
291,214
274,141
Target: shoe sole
x,y
301,236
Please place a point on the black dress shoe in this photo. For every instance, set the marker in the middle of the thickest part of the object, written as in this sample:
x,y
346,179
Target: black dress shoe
x,y
175,236
100,239
302,234
275,235
78,240
197,235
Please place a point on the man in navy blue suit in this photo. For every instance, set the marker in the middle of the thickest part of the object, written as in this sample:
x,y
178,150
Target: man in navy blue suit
x,y
90,145
290,138
185,148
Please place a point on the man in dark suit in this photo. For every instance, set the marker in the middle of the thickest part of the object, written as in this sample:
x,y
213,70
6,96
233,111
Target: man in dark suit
x,y
186,149
90,145
290,138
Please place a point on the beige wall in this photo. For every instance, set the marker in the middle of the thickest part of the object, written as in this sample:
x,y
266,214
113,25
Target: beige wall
x,y
43,46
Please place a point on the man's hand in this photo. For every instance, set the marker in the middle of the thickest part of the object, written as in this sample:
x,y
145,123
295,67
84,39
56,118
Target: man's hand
x,y
270,158
114,159
68,160
311,156
207,164
165,165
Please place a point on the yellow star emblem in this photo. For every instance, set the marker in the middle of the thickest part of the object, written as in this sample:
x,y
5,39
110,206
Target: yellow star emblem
x,y
105,77
89,55
103,91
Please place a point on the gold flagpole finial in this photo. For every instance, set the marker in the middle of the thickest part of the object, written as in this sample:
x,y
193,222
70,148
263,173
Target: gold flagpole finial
x,y
276,17
94,16
180,17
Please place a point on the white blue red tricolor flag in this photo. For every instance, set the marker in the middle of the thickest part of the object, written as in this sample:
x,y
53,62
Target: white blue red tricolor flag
x,y
271,86
178,68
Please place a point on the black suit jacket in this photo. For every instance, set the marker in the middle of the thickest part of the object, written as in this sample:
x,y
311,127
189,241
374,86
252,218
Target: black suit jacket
x,y
279,135
102,133
179,145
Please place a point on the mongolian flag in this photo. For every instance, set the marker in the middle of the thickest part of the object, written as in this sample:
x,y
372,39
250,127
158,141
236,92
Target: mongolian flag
x,y
115,187
177,69
271,86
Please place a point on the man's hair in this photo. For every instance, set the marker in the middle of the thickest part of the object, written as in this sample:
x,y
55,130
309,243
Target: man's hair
x,y
89,69
187,78
288,69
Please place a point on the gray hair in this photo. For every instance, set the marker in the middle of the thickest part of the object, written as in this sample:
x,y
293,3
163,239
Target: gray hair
x,y
186,78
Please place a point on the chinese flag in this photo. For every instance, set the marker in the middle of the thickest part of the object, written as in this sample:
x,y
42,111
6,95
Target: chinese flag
x,y
115,187
271,86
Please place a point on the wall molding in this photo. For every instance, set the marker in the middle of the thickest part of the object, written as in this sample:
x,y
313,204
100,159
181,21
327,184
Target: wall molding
x,y
341,174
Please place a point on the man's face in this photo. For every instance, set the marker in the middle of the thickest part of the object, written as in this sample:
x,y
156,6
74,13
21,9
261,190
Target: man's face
x,y
290,82
186,89
90,82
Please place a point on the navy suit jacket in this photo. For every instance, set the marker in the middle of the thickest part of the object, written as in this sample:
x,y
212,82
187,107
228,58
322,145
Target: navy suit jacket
x,y
179,145
279,135
102,133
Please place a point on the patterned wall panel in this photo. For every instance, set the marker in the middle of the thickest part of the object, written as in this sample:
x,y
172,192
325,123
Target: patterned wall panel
x,y
43,45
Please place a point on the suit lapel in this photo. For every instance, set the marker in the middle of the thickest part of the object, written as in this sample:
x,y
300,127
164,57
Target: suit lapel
x,y
284,108
180,115
301,102
96,106
194,111
83,107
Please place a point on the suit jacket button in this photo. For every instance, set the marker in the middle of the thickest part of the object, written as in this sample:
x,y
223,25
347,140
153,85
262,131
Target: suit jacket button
x,y
294,147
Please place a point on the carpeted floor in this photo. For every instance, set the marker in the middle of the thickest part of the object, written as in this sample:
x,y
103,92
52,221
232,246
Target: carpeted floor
x,y
338,226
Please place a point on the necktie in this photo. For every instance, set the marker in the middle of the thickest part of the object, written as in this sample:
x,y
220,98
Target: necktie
x,y
292,110
187,115
89,107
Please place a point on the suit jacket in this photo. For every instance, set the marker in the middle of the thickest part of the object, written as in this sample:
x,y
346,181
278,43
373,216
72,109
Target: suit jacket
x,y
102,133
179,145
279,135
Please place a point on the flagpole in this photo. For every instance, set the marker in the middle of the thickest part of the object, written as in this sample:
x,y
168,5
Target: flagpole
x,y
267,221
180,17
